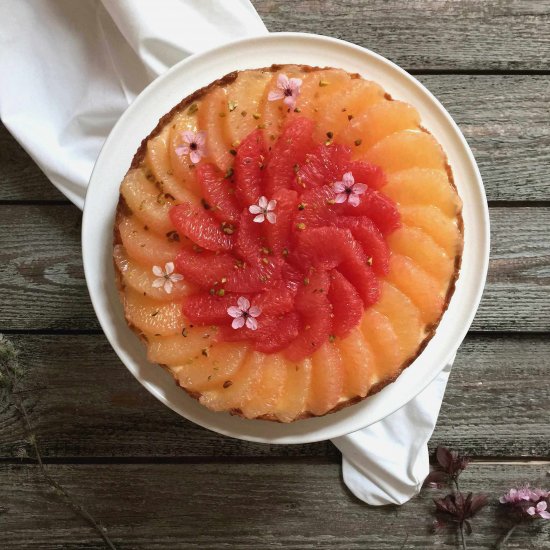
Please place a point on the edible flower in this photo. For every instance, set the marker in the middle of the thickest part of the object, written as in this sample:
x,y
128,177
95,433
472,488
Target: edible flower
x,y
264,210
244,314
194,145
348,190
166,277
288,89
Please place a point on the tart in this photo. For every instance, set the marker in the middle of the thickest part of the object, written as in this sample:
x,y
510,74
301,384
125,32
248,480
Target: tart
x,y
287,240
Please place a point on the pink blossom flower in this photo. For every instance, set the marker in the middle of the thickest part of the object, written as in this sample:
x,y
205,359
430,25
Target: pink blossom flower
x,y
539,509
194,145
264,210
288,89
348,190
166,277
243,313
523,493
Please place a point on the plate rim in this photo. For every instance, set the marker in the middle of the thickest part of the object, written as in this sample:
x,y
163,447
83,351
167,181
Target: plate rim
x,y
332,426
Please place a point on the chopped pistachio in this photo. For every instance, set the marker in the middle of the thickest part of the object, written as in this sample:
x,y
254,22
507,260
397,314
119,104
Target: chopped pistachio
x,y
323,83
306,281
232,152
285,251
296,167
331,338
193,108
297,110
302,206
221,292
232,105
229,173
358,142
256,115
301,226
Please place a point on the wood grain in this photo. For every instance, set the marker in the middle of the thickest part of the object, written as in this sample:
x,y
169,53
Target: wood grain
x,y
505,119
430,34
86,404
43,283
299,505
20,177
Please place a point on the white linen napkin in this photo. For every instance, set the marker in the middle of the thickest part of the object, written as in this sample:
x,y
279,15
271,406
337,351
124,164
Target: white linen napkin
x,y
69,69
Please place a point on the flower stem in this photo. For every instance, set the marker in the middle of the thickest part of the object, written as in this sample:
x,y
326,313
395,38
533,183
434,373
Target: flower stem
x,y
503,542
462,537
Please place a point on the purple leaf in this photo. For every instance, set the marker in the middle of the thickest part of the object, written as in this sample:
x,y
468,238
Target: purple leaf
x,y
444,457
477,503
437,478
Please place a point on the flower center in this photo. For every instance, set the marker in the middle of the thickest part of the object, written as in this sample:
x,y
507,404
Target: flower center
x,y
348,190
193,146
287,92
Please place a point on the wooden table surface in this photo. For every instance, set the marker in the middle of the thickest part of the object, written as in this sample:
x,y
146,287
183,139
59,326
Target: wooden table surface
x,y
157,481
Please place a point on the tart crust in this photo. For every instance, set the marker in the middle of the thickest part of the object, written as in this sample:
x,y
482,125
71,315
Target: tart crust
x,y
123,210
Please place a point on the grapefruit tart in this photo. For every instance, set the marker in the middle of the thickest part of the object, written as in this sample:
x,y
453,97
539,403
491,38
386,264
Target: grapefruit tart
x,y
287,240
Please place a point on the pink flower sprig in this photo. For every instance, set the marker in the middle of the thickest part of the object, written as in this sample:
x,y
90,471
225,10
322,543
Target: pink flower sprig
x,y
348,190
264,210
194,145
244,314
288,89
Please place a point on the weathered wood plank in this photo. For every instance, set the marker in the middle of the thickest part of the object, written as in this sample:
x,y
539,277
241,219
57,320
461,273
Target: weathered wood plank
x,y
506,121
20,178
43,284
86,404
299,505
431,34
504,117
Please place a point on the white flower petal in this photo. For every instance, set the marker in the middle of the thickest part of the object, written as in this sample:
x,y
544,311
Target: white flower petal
x,y
157,283
169,268
531,511
348,179
251,323
168,285
188,136
259,218
271,204
262,202
342,197
243,303
195,156
182,150
338,187
175,277
255,311
238,322
294,84
157,270
255,209
234,311
358,188
354,200
290,101
200,138
274,95
282,81
271,217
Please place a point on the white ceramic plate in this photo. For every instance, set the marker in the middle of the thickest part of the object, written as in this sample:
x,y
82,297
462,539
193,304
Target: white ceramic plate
x,y
198,71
